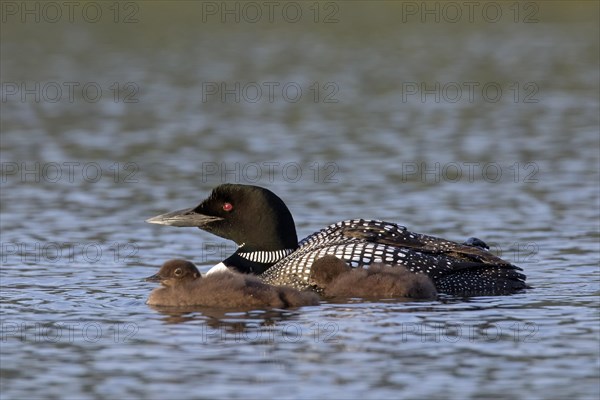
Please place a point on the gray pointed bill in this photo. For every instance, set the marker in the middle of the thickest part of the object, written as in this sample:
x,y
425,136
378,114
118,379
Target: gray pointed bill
x,y
185,217
153,278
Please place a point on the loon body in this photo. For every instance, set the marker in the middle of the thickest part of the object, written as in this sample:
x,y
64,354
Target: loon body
x,y
263,227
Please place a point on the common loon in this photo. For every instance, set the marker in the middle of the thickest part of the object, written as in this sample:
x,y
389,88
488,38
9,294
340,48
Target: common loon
x,y
262,226
337,279
183,286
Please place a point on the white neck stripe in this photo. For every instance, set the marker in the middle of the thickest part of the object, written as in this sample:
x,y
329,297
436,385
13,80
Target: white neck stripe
x,y
266,257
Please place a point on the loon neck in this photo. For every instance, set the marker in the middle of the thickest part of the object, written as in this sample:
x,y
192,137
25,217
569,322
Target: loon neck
x,y
265,257
255,262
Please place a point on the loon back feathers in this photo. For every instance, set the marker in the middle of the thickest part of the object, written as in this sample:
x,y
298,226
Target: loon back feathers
x,y
399,236
459,268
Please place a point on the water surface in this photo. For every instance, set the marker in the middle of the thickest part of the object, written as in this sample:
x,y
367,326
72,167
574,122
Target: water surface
x,y
80,176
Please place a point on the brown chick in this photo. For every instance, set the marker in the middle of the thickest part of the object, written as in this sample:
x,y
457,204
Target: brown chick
x,y
337,279
183,285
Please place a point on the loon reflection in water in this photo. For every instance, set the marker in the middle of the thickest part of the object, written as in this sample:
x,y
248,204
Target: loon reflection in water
x,y
262,226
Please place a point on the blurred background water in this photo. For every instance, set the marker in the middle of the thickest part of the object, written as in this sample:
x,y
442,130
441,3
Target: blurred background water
x,y
455,120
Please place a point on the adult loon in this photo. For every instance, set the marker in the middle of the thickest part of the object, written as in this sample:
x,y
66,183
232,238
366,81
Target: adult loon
x,y
183,286
262,226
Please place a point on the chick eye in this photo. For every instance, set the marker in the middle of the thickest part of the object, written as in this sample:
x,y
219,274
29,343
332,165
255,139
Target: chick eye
x,y
227,207
178,272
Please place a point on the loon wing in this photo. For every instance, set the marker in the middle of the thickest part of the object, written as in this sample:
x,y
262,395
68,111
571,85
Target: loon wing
x,y
399,236
455,268
465,270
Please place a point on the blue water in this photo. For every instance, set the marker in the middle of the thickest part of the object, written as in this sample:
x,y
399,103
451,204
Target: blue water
x,y
80,177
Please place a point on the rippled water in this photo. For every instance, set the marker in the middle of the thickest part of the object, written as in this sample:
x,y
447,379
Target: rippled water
x,y
364,139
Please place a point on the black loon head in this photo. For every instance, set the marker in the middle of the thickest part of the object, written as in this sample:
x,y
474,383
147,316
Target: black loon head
x,y
253,217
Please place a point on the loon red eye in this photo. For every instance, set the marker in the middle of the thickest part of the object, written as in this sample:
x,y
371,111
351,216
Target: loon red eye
x,y
227,207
